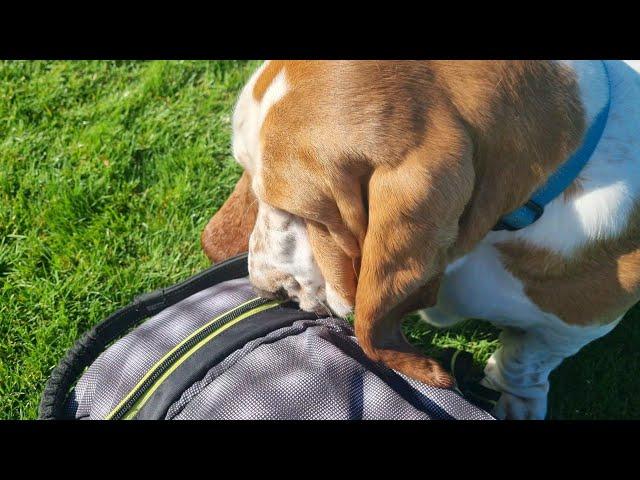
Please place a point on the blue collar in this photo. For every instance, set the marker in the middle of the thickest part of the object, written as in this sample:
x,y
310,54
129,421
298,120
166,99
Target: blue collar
x,y
563,177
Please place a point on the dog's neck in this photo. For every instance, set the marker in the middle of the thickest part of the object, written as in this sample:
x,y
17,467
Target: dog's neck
x,y
524,119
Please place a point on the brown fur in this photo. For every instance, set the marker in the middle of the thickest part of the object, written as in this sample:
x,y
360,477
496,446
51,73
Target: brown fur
x,y
525,118
336,266
595,286
227,233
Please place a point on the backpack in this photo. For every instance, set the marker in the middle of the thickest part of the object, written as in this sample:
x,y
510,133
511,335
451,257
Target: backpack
x,y
210,348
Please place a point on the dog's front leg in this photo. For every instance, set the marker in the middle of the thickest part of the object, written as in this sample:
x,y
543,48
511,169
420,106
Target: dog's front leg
x,y
520,368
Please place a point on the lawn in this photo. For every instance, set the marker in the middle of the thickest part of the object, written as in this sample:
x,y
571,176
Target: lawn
x,y
108,173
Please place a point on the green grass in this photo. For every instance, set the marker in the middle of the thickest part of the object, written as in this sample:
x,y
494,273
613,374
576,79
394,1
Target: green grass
x,y
108,173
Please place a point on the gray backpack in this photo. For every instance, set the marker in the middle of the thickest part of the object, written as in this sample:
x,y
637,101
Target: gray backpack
x,y
209,348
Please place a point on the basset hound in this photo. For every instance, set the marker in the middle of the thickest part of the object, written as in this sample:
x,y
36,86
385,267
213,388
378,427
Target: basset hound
x,y
507,191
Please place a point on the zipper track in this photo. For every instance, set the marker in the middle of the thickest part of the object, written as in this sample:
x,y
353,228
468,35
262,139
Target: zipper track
x,y
163,366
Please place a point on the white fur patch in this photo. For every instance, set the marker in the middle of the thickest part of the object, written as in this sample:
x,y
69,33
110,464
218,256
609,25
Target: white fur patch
x,y
248,118
338,305
280,257
275,92
246,128
635,64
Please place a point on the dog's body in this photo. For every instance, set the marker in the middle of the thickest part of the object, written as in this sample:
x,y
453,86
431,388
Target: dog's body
x,y
411,191
553,262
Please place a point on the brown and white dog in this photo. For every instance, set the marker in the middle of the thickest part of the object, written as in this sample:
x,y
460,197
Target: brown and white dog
x,y
374,186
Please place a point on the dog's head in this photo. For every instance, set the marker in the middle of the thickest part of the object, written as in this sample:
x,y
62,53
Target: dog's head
x,y
366,180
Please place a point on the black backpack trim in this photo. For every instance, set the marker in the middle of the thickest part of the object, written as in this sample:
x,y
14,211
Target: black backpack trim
x,y
87,349
195,367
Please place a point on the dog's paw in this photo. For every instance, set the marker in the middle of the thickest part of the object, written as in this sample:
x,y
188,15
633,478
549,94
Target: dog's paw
x,y
523,391
510,407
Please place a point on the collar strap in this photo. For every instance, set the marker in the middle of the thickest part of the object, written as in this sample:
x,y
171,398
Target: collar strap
x,y
563,177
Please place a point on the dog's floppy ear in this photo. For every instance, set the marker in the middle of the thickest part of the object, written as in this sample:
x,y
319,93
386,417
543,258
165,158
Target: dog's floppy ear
x,y
227,233
413,214
384,230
